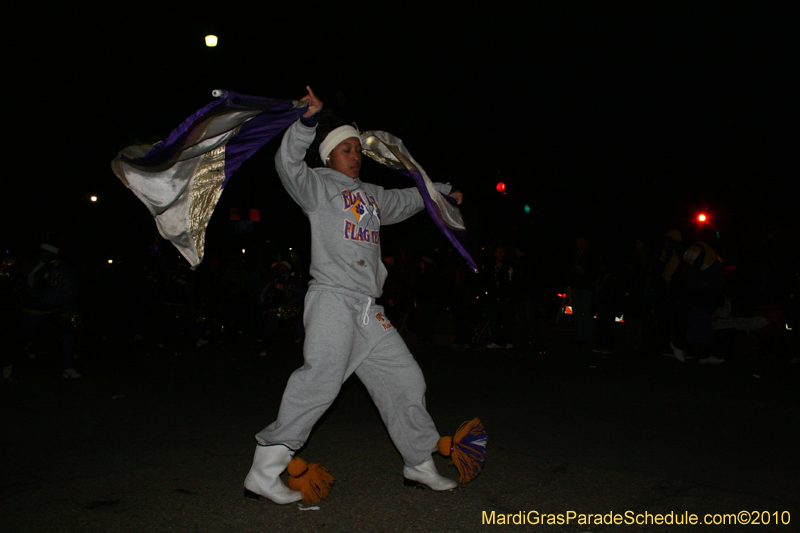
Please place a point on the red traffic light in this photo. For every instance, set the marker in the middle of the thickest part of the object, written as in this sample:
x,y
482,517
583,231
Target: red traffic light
x,y
501,187
702,217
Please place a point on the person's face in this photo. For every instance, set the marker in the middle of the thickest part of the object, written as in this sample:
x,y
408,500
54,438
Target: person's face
x,y
346,157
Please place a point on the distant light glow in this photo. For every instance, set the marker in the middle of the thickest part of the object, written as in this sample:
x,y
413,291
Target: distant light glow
x,y
527,209
701,217
501,187
93,198
211,41
242,250
110,261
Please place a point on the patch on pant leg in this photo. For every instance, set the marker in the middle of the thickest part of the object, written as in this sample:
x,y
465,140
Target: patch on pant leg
x,y
383,320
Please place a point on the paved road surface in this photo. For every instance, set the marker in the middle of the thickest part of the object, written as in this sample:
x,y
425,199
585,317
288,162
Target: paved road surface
x,y
162,442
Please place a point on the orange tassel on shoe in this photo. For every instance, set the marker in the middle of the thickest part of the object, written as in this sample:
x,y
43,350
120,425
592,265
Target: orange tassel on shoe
x,y
467,448
312,480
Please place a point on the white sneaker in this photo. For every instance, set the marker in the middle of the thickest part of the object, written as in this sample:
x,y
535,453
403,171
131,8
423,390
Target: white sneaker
x,y
493,346
426,474
679,354
711,360
70,373
264,480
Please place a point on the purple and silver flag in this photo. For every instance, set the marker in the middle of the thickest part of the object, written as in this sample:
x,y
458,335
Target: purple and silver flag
x,y
390,151
181,178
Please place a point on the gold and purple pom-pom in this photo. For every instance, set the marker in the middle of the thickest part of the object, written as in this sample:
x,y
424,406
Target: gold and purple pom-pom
x,y
312,480
467,449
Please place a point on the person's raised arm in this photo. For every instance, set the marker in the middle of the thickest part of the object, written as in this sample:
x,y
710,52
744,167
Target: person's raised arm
x,y
303,184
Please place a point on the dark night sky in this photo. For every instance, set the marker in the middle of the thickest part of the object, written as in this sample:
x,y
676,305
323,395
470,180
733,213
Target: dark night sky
x,y
613,118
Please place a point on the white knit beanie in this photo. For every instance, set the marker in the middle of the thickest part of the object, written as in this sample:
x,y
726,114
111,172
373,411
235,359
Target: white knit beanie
x,y
334,138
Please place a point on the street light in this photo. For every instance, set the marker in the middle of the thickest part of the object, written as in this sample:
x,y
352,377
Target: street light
x,y
211,41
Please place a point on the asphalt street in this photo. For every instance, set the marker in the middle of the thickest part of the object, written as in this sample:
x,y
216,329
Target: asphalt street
x,y
162,441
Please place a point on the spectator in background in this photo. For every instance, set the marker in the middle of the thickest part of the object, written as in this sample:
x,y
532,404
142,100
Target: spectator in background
x,y
463,304
501,300
633,282
426,300
282,302
12,287
703,277
582,283
50,306
524,290
606,304
664,294
179,305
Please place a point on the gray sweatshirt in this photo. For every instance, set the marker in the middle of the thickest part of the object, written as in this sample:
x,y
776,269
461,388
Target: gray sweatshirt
x,y
346,215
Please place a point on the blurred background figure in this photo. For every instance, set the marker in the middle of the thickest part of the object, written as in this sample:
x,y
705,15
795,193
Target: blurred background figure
x,y
49,308
703,279
525,279
281,302
426,300
12,289
582,284
501,300
463,304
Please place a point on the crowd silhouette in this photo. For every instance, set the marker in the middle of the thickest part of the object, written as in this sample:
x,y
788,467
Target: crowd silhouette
x,y
679,292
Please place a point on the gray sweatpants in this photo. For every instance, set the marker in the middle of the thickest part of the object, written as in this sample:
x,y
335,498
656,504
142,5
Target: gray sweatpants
x,y
346,333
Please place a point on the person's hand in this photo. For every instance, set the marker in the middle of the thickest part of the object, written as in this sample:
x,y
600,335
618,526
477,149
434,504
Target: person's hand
x,y
458,196
314,103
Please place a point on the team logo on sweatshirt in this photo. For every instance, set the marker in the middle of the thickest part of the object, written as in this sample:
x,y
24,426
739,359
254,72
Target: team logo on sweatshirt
x,y
366,228
384,321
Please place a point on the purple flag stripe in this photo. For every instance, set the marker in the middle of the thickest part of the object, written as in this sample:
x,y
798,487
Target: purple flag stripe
x,y
254,134
276,116
457,237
